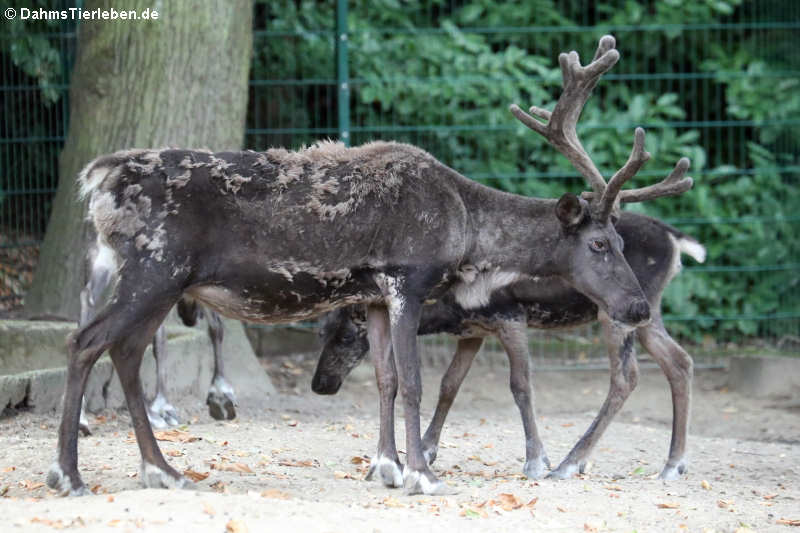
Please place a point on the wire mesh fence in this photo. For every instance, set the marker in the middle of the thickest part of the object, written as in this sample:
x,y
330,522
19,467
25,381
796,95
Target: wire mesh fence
x,y
440,75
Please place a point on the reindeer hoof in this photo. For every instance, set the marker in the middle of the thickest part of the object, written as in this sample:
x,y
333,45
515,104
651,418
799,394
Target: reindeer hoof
x,y
535,468
424,482
221,400
220,407
83,424
672,472
430,453
153,477
162,414
565,471
388,470
60,482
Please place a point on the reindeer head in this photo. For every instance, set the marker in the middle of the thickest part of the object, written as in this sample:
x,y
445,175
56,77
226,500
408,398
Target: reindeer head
x,y
343,333
588,254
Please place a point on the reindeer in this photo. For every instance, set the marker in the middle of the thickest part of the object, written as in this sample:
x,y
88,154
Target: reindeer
x,y
221,398
281,236
652,249
560,131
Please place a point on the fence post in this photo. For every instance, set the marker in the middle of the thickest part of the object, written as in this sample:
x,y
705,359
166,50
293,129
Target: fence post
x,y
342,80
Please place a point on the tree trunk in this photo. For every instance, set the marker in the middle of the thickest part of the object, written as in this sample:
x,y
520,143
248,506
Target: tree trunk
x,y
180,80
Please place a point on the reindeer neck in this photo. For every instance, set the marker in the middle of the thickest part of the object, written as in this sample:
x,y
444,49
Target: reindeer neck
x,y
511,233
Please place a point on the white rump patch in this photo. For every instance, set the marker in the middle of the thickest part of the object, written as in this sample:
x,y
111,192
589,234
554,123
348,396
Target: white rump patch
x,y
693,249
105,260
475,289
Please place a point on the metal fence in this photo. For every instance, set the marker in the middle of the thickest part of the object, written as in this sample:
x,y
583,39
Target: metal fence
x,y
294,105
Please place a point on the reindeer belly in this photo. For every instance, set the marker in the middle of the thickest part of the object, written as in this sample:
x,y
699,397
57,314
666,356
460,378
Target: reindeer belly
x,y
281,297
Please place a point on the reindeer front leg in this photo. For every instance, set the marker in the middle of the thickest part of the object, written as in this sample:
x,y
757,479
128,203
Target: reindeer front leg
x,y
403,298
386,462
624,377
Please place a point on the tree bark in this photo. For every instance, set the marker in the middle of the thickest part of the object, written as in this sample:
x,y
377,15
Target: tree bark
x,y
180,80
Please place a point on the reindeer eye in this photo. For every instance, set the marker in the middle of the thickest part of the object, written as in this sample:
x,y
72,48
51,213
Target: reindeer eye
x,y
597,245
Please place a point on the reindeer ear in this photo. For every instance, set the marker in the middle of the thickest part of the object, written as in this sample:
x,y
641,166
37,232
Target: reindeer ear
x,y
570,210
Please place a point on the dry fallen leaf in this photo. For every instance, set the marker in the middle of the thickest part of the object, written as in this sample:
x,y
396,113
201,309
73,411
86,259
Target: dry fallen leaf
x,y
770,496
235,526
705,484
392,502
589,528
509,502
724,504
175,435
208,509
31,485
338,474
55,524
561,509
174,453
219,486
275,494
306,463
358,460
787,522
474,512
110,498
232,467
195,476
9,469
668,505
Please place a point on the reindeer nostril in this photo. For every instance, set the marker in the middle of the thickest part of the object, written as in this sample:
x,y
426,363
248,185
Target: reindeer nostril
x,y
322,384
639,311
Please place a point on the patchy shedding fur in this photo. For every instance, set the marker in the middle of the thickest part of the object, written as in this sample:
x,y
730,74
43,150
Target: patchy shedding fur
x,y
477,284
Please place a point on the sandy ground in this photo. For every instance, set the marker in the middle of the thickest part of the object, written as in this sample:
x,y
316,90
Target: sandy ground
x,y
297,464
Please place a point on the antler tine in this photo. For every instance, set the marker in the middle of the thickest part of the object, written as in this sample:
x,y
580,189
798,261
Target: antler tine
x,y
672,185
639,156
675,184
560,128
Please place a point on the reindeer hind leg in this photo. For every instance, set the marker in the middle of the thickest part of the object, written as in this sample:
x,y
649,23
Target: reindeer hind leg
x,y
221,399
161,412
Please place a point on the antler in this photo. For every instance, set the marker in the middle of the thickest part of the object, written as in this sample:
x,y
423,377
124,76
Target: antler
x,y
560,131
578,82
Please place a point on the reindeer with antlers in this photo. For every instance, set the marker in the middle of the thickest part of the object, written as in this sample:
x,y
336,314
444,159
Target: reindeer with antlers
x,y
652,249
281,236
